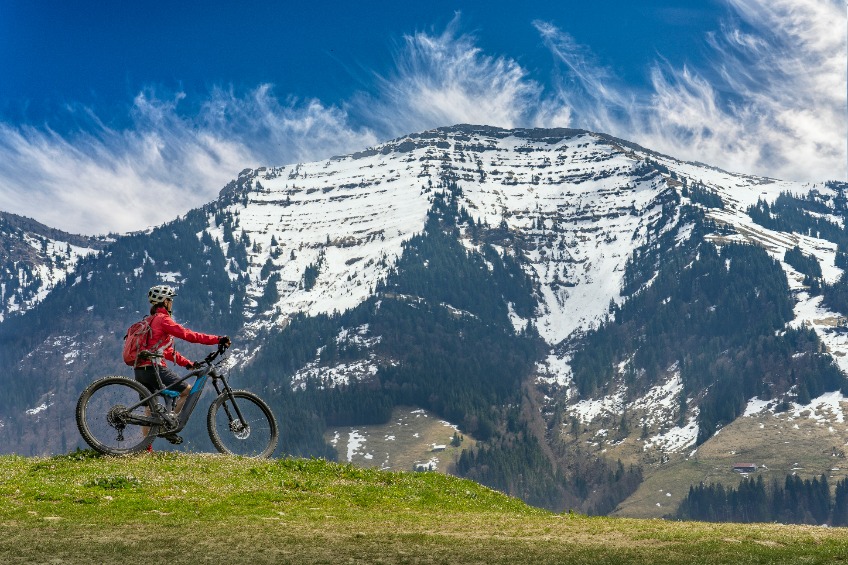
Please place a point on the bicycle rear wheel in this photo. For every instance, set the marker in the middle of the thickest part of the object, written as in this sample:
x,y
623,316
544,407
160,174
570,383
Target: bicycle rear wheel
x,y
101,416
253,435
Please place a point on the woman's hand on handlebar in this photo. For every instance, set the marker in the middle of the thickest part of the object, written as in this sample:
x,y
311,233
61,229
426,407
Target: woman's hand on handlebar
x,y
224,342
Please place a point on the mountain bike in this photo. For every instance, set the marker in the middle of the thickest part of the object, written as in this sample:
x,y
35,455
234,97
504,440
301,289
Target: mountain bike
x,y
119,415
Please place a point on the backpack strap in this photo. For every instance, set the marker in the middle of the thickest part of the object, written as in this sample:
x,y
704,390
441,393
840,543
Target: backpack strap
x,y
155,349
160,346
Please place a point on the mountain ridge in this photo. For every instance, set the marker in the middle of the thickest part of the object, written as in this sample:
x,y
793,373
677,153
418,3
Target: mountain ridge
x,y
34,258
317,270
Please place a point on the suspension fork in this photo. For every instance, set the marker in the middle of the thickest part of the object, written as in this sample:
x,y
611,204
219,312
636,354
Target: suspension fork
x,y
226,388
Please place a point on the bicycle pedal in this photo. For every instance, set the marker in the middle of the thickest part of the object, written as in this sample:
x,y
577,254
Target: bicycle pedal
x,y
173,438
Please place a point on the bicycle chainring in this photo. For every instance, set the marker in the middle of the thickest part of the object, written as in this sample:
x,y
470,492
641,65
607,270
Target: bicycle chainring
x,y
172,422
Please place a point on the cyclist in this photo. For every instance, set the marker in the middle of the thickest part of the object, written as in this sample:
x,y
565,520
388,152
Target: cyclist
x,y
163,331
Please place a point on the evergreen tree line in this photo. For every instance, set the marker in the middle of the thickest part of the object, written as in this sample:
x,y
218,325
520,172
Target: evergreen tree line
x,y
646,259
699,194
515,463
794,213
800,214
808,266
836,295
794,501
516,466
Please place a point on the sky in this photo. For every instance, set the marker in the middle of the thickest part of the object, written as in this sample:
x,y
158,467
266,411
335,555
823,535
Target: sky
x,y
117,116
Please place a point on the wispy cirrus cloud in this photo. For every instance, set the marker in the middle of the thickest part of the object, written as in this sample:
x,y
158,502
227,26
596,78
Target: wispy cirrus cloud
x,y
771,101
446,79
99,179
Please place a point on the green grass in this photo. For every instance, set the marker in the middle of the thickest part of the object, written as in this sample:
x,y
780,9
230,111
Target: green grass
x,y
178,508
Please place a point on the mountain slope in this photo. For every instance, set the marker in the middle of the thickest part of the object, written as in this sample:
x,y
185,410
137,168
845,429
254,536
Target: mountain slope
x,y
34,259
566,297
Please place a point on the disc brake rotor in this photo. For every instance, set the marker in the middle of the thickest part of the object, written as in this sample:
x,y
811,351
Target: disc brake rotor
x,y
240,429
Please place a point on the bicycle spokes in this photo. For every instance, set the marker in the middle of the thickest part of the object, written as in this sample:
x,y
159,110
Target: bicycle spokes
x,y
242,424
110,418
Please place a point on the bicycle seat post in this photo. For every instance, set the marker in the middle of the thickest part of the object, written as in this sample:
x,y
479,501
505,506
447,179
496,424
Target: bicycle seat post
x,y
168,401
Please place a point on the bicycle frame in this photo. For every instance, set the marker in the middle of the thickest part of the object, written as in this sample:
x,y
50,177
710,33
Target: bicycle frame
x,y
202,376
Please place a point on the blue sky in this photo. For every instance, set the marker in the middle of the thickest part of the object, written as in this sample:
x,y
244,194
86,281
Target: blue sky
x,y
115,116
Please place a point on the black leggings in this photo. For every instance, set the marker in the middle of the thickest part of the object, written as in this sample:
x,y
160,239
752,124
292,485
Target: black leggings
x,y
147,377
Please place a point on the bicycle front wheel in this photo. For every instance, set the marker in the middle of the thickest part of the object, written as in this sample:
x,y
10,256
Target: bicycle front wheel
x,y
253,434
102,416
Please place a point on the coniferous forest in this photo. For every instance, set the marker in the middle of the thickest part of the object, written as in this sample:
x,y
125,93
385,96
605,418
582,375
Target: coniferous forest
x,y
792,501
447,345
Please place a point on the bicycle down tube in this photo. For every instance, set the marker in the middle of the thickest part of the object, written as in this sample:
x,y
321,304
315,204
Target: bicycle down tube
x,y
188,407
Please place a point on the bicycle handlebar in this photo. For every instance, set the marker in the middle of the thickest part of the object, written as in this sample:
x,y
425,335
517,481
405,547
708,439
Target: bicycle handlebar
x,y
211,357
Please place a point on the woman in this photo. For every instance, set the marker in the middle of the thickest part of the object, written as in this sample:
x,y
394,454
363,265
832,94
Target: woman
x,y
163,331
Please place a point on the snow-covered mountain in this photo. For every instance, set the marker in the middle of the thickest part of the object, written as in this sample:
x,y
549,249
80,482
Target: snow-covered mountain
x,y
587,196
34,259
542,243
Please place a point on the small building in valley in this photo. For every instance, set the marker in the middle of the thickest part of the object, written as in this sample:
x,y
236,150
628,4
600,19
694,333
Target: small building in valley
x,y
745,467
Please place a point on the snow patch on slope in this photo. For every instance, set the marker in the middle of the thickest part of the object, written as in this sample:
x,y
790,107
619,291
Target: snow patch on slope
x,y
34,282
661,402
587,410
676,439
828,408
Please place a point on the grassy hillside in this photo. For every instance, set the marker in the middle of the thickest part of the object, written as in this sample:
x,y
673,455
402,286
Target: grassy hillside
x,y
179,508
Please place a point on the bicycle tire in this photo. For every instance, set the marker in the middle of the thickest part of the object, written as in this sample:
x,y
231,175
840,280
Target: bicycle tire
x,y
96,425
257,439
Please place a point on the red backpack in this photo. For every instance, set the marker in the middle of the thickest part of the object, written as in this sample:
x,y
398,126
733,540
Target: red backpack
x,y
137,340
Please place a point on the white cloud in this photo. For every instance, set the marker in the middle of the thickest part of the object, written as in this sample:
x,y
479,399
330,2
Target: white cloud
x,y
446,79
101,179
771,102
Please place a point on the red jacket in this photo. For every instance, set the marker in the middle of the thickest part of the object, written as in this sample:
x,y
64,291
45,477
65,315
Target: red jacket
x,y
163,331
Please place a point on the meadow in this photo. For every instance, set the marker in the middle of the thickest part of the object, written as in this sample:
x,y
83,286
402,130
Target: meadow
x,y
177,508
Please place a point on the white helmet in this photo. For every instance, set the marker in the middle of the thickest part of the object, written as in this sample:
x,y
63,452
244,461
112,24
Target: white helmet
x,y
159,293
